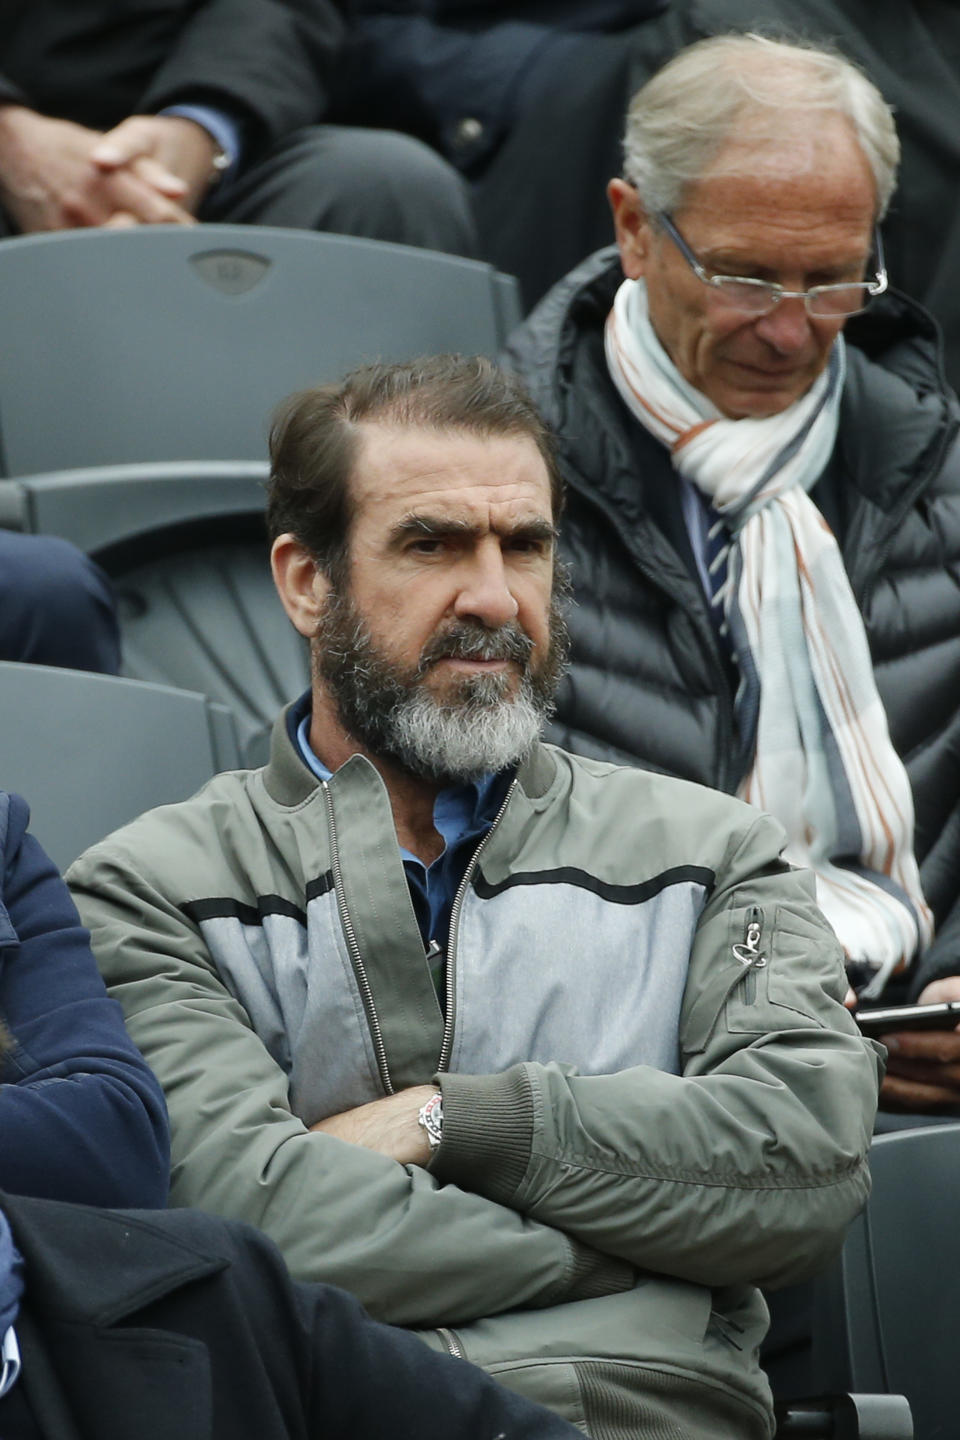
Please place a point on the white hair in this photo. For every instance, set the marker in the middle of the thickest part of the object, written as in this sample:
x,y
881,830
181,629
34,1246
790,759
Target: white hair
x,y
678,121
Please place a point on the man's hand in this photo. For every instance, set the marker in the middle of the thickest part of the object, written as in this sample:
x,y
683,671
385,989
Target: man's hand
x,y
389,1126
168,152
923,1070
49,180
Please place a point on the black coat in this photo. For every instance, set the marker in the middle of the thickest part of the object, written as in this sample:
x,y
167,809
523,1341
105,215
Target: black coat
x,y
649,683
180,1326
98,61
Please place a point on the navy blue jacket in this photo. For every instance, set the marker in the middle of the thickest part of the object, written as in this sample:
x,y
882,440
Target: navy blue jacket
x,y
81,1116
182,1324
425,65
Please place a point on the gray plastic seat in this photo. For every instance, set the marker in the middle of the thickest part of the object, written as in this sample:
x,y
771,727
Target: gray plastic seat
x,y
205,615
887,1316
186,549
170,343
90,752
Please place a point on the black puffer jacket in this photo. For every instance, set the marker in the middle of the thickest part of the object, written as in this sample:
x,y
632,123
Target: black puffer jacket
x,y
648,682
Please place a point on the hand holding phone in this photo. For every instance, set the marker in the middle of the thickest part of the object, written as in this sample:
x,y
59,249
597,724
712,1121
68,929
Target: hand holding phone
x,y
923,1050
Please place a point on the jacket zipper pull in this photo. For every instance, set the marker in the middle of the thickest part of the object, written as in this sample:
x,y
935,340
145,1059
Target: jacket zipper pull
x,y
748,950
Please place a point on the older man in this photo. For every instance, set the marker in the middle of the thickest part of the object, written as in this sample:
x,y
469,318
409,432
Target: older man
x,y
764,524
543,1057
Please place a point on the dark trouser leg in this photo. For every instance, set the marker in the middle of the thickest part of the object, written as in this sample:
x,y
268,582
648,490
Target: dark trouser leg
x,y
541,200
56,605
372,183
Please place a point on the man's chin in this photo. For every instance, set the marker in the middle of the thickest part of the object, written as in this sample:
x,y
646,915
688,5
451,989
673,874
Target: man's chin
x,y
456,688
753,394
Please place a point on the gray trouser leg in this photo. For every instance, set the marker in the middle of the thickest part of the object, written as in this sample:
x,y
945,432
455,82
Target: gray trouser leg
x,y
372,183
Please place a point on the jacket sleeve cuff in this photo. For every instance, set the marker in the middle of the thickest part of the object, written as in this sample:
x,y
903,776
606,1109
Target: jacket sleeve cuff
x,y
487,1138
487,1132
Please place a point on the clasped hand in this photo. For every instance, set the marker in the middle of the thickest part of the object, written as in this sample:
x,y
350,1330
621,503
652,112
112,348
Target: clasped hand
x,y
56,175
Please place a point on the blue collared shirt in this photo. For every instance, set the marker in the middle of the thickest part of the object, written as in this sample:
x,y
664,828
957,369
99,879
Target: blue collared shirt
x,y
221,127
462,815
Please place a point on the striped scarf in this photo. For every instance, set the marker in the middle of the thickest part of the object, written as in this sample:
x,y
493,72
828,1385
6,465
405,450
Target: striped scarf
x,y
824,764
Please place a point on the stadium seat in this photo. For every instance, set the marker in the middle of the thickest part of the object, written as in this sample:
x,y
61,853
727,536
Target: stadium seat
x,y
199,611
186,549
886,1316
170,343
92,751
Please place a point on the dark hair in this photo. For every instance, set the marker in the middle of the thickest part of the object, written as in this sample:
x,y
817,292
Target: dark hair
x,y
314,440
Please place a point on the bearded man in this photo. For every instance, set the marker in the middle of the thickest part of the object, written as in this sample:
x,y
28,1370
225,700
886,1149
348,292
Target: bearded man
x,y
764,518
545,1059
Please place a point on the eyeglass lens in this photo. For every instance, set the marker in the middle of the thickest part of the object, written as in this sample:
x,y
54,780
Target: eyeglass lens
x,y
757,297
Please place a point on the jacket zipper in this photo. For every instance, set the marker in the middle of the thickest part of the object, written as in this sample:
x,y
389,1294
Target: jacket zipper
x,y
454,928
451,1340
350,936
747,951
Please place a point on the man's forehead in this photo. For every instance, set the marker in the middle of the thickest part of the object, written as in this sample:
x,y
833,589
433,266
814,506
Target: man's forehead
x,y
406,468
814,153
823,200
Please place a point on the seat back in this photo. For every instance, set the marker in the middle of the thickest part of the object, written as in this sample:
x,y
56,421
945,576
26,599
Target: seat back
x,y
174,343
185,546
887,1315
203,614
90,752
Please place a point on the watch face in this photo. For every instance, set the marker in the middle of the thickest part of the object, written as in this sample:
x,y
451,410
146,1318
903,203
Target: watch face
x,y
431,1118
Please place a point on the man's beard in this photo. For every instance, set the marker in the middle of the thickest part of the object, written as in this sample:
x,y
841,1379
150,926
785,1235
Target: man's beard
x,y
481,723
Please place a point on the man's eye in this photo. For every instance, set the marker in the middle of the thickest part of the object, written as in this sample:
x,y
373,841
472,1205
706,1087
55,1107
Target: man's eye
x,y
426,545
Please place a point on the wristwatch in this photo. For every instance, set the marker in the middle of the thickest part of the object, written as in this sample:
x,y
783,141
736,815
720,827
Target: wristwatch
x,y
431,1118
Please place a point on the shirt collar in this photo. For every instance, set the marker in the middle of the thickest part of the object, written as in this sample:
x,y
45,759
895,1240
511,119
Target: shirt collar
x,y
457,808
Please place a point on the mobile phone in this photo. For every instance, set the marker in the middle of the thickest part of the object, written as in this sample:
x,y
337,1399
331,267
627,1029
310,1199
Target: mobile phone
x,y
885,1019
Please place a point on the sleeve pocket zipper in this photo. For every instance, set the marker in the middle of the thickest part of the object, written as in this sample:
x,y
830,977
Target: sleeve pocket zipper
x,y
747,951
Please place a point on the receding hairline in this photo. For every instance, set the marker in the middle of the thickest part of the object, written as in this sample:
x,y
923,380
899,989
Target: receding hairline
x,y
441,430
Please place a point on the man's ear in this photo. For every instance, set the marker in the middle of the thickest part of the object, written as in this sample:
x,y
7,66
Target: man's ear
x,y
301,585
631,226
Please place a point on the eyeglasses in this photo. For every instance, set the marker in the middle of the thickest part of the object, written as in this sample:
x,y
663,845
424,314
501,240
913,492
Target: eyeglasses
x,y
759,297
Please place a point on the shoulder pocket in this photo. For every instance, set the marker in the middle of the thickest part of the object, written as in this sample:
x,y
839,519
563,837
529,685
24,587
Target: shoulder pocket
x,y
782,985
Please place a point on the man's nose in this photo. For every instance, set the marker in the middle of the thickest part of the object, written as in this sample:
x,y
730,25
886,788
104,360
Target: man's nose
x,y
786,327
484,592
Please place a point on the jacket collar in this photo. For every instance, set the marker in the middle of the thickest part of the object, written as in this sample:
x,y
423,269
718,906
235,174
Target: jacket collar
x,y
101,1266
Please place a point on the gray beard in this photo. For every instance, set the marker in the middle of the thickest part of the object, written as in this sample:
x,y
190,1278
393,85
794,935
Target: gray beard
x,y
479,727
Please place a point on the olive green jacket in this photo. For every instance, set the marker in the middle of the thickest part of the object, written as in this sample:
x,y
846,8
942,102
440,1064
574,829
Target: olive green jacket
x,y
654,1099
